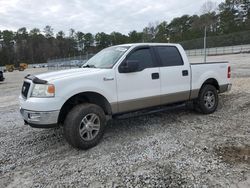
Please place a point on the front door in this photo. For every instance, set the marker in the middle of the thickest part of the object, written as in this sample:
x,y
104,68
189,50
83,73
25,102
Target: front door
x,y
140,89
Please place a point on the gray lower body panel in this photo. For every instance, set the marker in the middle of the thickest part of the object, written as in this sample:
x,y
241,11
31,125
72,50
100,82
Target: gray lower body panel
x,y
137,104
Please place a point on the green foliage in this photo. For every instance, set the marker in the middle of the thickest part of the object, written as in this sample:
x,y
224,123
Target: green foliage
x,y
102,40
48,30
135,37
118,38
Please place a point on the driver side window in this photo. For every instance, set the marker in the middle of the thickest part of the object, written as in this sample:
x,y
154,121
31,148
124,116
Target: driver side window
x,y
143,56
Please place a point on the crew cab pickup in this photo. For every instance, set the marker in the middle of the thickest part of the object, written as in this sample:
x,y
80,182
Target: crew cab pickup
x,y
118,80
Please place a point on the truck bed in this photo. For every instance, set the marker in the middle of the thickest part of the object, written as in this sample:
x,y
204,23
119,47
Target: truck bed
x,y
203,71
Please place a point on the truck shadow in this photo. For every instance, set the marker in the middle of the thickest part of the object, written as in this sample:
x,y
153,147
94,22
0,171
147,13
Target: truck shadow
x,y
117,130
132,128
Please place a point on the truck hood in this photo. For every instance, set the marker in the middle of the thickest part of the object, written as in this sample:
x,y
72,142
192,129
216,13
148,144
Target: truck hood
x,y
67,73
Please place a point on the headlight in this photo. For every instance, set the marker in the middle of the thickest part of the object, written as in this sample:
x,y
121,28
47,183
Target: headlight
x,y
43,90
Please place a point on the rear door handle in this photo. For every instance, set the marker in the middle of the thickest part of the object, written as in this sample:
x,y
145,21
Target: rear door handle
x,y
185,73
155,76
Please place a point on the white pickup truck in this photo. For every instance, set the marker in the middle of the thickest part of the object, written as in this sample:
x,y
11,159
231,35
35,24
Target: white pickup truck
x,y
118,80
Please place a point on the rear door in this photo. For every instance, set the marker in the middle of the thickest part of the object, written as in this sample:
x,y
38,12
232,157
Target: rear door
x,y
141,89
174,73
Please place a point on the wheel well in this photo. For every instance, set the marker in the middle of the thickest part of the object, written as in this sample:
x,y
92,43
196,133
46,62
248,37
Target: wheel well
x,y
213,82
85,97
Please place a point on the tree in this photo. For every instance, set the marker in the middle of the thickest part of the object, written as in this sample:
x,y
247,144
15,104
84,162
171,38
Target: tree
x,y
7,51
228,16
197,27
60,35
102,40
209,18
34,31
79,36
135,37
7,37
118,38
162,33
22,32
88,41
21,46
149,32
179,28
243,15
208,7
61,44
72,33
48,30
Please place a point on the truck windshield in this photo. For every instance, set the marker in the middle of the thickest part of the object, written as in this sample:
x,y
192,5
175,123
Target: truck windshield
x,y
106,58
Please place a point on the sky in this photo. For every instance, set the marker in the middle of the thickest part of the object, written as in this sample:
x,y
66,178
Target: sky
x,y
93,15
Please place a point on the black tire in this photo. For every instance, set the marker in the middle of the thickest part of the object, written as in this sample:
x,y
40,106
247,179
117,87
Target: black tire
x,y
75,123
207,100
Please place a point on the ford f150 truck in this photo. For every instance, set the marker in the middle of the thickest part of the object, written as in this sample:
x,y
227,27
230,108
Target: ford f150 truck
x,y
118,80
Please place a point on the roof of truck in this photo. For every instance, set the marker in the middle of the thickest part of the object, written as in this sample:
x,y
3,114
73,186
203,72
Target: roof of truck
x,y
148,44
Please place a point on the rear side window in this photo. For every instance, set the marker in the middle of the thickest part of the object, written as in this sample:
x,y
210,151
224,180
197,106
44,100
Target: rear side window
x,y
169,56
143,56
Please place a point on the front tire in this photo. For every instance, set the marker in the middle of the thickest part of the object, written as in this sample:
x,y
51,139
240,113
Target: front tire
x,y
84,126
207,101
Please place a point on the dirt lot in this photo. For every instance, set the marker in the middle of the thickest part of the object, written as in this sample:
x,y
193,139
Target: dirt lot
x,y
169,149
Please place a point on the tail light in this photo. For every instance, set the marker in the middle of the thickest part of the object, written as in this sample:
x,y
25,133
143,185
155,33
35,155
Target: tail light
x,y
229,72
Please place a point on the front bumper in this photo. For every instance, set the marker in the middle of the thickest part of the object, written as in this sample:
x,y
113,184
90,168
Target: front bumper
x,y
40,119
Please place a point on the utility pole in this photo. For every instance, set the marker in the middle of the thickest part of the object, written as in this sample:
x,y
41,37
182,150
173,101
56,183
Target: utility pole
x,y
205,44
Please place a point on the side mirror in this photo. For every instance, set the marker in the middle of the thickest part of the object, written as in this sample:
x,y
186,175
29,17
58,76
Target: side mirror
x,y
129,66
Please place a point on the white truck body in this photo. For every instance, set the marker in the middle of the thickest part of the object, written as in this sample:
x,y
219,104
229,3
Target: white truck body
x,y
122,92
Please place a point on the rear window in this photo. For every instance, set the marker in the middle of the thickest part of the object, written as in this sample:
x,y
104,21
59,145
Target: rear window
x,y
169,55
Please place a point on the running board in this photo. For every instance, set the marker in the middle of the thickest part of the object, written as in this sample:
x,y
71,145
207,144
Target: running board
x,y
149,111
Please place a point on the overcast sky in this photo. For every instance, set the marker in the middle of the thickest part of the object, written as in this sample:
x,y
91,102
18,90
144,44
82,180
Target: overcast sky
x,y
93,15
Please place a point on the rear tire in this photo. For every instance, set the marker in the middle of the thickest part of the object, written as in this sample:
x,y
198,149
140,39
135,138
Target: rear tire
x,y
84,126
207,100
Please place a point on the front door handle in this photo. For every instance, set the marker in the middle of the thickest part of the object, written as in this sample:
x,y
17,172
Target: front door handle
x,y
155,76
185,73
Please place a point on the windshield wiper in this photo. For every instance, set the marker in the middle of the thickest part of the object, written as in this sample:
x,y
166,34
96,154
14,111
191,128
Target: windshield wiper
x,y
89,66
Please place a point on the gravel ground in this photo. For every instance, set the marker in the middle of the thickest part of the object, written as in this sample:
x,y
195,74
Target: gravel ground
x,y
169,149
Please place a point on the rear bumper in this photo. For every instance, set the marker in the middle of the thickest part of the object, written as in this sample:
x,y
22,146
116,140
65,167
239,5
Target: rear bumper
x,y
225,88
40,119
